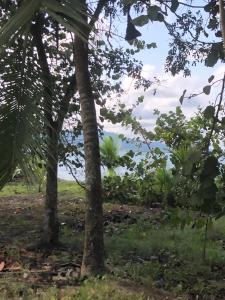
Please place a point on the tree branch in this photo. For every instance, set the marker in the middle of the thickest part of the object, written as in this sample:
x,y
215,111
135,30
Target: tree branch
x,y
98,10
64,103
215,119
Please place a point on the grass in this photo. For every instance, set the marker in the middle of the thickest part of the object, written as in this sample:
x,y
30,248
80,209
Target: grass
x,y
146,258
170,258
92,289
187,243
17,188
67,189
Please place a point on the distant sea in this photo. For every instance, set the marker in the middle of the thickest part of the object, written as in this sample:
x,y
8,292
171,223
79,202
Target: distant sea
x,y
124,147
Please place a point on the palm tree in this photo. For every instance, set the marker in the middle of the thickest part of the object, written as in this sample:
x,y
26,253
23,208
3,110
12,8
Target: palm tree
x,y
55,110
25,105
93,256
110,154
72,15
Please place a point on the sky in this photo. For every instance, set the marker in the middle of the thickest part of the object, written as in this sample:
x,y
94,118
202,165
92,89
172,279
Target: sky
x,y
169,92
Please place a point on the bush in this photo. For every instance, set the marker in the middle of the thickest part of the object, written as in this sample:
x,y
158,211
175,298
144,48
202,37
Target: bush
x,y
120,189
131,189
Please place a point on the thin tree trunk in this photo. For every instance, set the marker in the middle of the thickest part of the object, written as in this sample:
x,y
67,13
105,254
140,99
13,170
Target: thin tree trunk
x,y
50,236
205,240
93,256
51,226
53,128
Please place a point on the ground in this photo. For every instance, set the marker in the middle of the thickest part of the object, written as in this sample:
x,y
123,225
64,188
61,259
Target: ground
x,y
147,257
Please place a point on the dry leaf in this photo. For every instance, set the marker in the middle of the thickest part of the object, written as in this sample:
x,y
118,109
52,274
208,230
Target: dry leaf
x,y
2,265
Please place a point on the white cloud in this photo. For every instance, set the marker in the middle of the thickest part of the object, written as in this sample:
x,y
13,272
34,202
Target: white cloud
x,y
148,71
167,96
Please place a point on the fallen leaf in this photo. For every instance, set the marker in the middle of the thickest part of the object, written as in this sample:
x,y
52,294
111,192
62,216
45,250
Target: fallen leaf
x,y
2,265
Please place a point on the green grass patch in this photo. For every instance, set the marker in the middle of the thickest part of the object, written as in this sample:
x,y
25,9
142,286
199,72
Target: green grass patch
x,y
167,257
69,189
92,289
146,239
66,189
17,188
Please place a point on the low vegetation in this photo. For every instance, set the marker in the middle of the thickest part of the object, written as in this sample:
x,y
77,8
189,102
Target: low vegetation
x,y
147,255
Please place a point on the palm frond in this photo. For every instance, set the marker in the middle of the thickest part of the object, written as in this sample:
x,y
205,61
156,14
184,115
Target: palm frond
x,y
180,154
67,13
20,114
21,90
22,16
109,149
164,180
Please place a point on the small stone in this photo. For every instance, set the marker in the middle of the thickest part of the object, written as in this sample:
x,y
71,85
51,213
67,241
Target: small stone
x,y
25,275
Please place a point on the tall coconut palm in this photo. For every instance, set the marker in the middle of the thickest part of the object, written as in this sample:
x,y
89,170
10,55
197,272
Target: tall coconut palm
x,y
28,95
93,257
72,15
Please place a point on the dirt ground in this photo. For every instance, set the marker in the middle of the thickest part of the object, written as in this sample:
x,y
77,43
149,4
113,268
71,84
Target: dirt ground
x,y
21,227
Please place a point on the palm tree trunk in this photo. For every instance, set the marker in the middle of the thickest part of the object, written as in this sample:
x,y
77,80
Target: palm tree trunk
x,y
50,236
93,256
51,226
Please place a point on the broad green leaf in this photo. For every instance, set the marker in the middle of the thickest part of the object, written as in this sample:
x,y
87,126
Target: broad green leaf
x,y
153,12
208,7
207,89
214,54
211,78
209,112
141,20
160,17
174,5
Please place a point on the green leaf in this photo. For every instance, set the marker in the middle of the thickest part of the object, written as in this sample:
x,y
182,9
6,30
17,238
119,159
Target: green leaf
x,y
207,89
174,5
160,17
152,45
199,223
182,97
211,78
69,15
214,54
153,12
21,121
193,156
141,20
23,15
208,7
211,167
128,2
223,121
140,99
209,112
